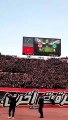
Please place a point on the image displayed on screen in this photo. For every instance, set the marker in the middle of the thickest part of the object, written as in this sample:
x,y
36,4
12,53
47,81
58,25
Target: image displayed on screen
x,y
28,46
41,46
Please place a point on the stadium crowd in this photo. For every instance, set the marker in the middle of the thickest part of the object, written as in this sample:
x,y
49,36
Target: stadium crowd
x,y
33,73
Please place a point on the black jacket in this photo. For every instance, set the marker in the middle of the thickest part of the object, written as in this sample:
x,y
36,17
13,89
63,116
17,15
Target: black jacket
x,y
41,102
12,101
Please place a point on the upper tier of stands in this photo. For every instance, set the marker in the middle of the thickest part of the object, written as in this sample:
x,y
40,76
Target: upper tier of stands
x,y
33,73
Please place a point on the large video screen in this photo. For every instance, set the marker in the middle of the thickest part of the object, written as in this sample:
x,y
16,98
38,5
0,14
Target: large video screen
x,y
41,46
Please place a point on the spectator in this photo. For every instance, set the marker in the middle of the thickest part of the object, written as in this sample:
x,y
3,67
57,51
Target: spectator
x,y
33,73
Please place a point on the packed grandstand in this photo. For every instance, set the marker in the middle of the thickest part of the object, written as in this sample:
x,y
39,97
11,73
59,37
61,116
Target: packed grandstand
x,y
33,73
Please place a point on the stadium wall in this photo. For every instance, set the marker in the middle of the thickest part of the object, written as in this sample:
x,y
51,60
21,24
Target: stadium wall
x,y
29,97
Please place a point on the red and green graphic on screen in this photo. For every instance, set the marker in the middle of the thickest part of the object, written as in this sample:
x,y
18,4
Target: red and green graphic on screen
x,y
41,46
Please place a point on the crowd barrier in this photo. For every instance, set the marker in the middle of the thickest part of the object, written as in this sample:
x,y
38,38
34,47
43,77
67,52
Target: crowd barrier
x,y
28,97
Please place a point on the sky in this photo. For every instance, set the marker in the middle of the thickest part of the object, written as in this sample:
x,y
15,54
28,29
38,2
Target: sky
x,y
35,18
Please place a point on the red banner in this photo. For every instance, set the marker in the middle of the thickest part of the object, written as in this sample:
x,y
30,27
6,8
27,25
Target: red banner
x,y
29,97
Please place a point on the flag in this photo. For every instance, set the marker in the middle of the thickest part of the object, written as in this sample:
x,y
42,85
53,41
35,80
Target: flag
x,y
28,50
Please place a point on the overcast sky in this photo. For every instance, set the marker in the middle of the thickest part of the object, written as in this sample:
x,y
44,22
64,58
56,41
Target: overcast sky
x,y
35,18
